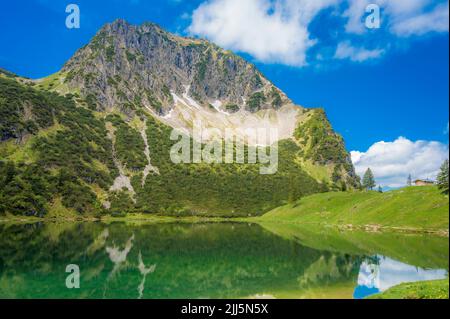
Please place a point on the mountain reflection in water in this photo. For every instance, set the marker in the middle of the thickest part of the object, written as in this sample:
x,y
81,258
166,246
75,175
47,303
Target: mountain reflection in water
x,y
215,260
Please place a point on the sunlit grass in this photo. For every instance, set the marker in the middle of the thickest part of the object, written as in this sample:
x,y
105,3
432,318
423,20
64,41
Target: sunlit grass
x,y
413,207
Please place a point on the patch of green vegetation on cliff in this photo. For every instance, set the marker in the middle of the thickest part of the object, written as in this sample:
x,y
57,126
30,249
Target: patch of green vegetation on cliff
x,y
232,108
130,56
256,101
154,102
257,80
91,102
202,68
129,145
110,52
276,98
321,145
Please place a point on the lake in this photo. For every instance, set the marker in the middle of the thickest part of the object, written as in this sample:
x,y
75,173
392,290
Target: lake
x,y
211,260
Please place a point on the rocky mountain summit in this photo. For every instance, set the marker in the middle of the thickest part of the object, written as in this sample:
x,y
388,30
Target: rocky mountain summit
x,y
178,80
131,66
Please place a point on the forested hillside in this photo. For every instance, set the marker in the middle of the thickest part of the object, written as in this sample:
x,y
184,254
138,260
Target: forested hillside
x,y
55,154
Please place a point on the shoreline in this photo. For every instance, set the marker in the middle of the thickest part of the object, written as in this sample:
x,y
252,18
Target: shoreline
x,y
154,219
369,228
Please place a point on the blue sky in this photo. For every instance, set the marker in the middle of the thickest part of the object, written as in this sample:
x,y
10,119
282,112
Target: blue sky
x,y
376,85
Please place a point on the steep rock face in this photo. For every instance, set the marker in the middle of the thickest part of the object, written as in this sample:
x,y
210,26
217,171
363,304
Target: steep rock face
x,y
130,66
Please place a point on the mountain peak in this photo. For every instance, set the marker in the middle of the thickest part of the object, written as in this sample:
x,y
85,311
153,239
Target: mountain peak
x,y
130,66
119,26
118,23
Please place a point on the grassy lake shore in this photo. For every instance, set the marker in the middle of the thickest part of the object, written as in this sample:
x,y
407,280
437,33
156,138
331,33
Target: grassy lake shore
x,y
409,210
435,289
412,210
135,219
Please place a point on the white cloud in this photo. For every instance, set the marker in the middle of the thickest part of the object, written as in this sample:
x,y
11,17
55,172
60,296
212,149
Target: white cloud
x,y
402,7
354,13
346,51
277,31
404,18
392,162
270,31
436,20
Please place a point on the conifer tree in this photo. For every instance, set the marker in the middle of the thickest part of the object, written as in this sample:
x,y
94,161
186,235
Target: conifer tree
x,y
369,180
442,179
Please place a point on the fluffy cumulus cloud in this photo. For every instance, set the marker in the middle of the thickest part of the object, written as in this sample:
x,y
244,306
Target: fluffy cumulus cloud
x,y
278,31
271,31
392,162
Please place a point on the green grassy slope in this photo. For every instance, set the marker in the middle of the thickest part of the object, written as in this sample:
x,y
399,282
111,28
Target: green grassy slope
x,y
437,289
413,207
